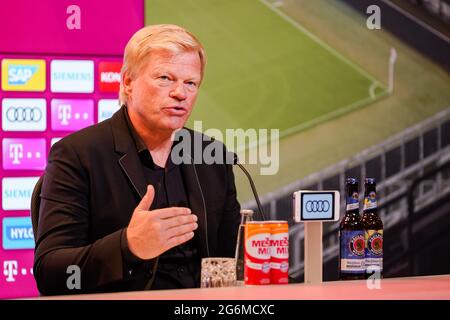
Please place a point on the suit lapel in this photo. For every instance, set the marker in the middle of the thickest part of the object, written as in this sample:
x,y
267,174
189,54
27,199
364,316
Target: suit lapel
x,y
130,164
125,146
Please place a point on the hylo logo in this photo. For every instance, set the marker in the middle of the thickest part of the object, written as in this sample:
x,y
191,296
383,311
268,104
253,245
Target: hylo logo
x,y
17,233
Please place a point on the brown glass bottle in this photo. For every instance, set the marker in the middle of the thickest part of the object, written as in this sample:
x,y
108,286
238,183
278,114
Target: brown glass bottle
x,y
351,236
373,231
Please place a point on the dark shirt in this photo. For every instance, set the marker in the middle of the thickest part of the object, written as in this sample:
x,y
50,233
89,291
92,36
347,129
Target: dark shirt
x,y
178,267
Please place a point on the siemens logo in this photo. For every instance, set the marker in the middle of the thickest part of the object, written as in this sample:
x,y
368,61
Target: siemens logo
x,y
72,76
18,233
16,193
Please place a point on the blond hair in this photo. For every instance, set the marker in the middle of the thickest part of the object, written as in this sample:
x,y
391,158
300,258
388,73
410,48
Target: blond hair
x,y
162,36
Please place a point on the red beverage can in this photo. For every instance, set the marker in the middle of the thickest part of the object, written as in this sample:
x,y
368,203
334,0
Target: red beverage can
x,y
257,253
279,251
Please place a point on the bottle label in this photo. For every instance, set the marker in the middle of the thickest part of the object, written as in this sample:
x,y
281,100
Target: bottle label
x,y
370,202
352,251
353,202
374,248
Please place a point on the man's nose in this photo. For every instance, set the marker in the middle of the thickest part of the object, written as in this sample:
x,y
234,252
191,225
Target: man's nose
x,y
178,91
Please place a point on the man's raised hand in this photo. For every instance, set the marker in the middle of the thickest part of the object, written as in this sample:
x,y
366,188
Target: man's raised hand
x,y
151,233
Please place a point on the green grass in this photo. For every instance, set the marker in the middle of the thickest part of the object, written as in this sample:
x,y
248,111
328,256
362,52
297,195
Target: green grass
x,y
262,71
242,39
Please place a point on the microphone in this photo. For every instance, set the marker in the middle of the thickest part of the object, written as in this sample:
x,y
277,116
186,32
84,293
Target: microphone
x,y
252,185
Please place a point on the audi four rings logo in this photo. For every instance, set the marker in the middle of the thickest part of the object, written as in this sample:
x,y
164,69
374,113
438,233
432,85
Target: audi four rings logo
x,y
317,206
24,114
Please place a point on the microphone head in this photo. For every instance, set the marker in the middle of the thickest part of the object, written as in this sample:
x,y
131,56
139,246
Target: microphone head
x,y
235,158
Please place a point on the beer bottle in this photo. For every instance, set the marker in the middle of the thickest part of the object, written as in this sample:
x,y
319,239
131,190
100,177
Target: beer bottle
x,y
351,236
246,216
373,230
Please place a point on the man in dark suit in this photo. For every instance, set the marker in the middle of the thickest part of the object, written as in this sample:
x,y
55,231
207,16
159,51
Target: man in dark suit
x,y
115,203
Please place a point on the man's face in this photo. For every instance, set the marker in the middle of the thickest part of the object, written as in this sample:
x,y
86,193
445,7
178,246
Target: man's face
x,y
164,92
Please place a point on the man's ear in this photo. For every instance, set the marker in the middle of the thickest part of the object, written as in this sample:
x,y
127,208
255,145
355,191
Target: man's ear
x,y
127,83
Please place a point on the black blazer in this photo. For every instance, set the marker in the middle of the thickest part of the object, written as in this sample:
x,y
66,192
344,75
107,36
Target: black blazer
x,y
93,182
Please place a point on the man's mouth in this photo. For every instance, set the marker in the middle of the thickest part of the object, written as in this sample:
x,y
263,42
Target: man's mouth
x,y
175,110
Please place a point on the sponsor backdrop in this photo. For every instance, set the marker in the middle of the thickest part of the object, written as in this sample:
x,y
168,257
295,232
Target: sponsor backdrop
x,y
57,76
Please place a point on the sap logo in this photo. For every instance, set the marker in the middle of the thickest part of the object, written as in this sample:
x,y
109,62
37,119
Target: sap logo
x,y
17,233
18,75
23,75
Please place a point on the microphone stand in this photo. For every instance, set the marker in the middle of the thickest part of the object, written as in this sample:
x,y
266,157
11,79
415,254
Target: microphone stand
x,y
252,185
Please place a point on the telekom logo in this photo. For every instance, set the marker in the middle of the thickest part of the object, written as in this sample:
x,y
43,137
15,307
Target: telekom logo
x,y
64,113
72,114
15,152
10,270
24,154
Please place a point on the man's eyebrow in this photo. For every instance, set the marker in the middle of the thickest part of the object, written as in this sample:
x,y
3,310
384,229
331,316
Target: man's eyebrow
x,y
196,79
159,69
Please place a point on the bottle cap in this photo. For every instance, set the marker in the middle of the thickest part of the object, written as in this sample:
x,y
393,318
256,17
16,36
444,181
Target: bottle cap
x,y
247,212
351,181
